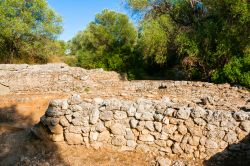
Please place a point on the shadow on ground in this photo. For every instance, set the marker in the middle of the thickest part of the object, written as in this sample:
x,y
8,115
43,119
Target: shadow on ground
x,y
234,155
18,146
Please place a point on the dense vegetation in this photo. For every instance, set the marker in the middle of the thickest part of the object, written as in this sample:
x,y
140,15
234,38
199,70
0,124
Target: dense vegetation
x,y
173,39
28,30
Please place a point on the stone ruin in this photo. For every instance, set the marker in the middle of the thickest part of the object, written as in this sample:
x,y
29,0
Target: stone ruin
x,y
162,127
187,119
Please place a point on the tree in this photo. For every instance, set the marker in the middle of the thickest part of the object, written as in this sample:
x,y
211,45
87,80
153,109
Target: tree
x,y
212,43
107,42
27,28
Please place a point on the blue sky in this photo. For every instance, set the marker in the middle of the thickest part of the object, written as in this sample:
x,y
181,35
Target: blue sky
x,y
78,13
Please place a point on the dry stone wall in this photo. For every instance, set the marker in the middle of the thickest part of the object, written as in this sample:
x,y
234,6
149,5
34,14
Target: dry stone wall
x,y
161,126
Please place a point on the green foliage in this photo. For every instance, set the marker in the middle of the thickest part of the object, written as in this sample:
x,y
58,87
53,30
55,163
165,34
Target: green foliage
x,y
155,38
212,44
27,31
108,42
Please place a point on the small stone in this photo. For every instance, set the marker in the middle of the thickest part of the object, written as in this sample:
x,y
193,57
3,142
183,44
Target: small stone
x,y
131,111
200,121
158,117
169,143
73,139
194,141
177,149
118,129
58,137
147,116
120,115
138,115
106,115
198,112
146,138
94,116
245,125
241,116
93,136
176,137
182,129
64,122
65,105
161,143
169,112
165,121
54,112
54,121
230,137
131,143
183,113
98,100
58,129
129,134
211,144
158,126
149,125
85,129
75,129
75,99
100,127
104,136
133,123
76,108
170,129
119,141
161,161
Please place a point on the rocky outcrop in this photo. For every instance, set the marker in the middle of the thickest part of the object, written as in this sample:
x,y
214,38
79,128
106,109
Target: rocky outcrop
x,y
162,126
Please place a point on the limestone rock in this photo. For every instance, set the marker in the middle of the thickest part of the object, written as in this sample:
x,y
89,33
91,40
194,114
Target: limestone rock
x,y
131,111
245,125
73,139
64,122
182,129
58,137
75,99
133,123
120,115
118,129
158,126
177,149
104,136
131,143
54,112
106,115
230,137
58,129
241,116
158,117
119,140
149,125
147,116
211,144
93,136
146,138
94,116
100,127
200,121
198,112
183,113
161,161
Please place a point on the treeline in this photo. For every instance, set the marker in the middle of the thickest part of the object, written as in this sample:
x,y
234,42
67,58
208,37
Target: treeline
x,y
175,39
172,39
28,31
